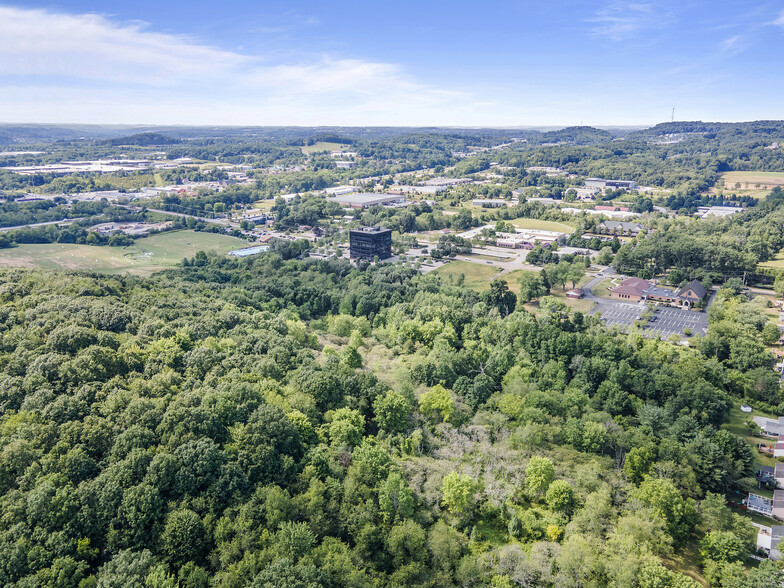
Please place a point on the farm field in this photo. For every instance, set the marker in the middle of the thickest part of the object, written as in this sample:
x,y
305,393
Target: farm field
x,y
542,225
752,180
144,257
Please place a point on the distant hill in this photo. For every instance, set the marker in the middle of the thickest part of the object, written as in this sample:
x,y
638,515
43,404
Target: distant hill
x,y
577,136
143,140
725,132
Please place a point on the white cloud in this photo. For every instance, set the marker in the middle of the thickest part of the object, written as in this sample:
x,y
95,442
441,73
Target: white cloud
x,y
622,20
75,67
780,20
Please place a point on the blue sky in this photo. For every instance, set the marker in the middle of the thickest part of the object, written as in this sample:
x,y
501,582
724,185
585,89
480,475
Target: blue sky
x,y
457,63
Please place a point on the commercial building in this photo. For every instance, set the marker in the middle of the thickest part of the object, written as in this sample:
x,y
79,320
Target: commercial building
x,y
585,194
489,202
366,199
345,164
601,184
637,289
719,211
447,181
528,238
339,190
549,171
369,242
620,227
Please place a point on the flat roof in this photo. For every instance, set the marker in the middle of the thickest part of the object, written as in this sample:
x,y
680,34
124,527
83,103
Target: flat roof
x,y
249,251
364,198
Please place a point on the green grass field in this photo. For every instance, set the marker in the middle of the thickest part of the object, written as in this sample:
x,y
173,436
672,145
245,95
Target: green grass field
x,y
144,257
324,146
542,225
265,205
776,263
477,276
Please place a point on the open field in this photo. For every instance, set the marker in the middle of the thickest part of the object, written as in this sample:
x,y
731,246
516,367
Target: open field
x,y
777,263
542,225
264,205
144,257
324,146
752,180
477,276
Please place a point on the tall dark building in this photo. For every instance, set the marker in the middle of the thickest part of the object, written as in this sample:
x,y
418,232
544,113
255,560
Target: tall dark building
x,y
367,242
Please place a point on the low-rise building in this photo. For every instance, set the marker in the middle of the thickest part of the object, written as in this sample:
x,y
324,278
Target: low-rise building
x,y
339,190
620,227
366,199
490,202
718,211
637,289
601,184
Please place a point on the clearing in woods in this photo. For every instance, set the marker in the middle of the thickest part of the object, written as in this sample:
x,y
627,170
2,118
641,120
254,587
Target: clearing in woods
x,y
324,146
542,225
145,256
741,180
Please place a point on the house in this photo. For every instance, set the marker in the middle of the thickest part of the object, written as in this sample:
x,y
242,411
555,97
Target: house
x,y
766,474
769,539
345,164
778,474
778,504
778,448
575,294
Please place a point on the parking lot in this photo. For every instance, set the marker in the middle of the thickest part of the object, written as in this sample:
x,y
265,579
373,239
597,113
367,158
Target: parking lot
x,y
666,321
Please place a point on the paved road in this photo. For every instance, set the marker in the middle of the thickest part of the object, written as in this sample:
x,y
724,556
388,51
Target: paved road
x,y
588,294
65,221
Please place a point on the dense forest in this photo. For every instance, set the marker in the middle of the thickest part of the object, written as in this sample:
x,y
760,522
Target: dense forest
x,y
307,423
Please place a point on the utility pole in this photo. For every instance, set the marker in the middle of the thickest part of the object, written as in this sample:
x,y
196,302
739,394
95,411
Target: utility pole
x,y
672,118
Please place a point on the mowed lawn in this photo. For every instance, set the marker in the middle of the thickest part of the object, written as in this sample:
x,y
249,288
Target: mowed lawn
x,y
477,276
144,257
542,225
